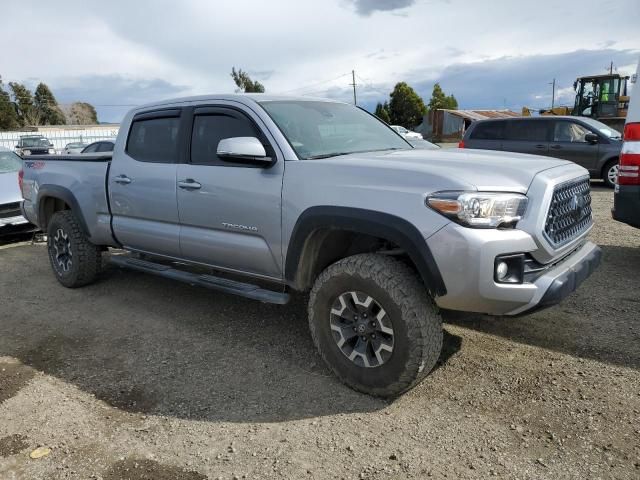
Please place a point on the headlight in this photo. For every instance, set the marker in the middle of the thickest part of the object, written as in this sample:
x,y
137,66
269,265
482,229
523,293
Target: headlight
x,y
26,152
52,151
480,209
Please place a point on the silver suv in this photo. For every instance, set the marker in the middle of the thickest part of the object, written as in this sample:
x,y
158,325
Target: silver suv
x,y
290,195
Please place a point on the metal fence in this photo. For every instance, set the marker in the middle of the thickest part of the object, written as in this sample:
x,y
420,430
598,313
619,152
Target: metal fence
x,y
61,137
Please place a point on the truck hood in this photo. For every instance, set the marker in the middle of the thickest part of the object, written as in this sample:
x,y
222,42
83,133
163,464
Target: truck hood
x,y
455,168
9,189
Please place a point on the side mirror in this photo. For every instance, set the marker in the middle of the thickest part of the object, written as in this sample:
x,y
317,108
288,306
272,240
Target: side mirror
x,y
243,150
591,138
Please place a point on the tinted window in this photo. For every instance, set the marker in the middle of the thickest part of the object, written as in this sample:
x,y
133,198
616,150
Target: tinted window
x,y
209,129
91,148
488,131
527,131
154,140
105,147
569,132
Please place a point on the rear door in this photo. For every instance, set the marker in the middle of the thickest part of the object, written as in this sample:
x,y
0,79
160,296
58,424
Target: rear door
x,y
568,142
230,213
486,135
527,136
142,184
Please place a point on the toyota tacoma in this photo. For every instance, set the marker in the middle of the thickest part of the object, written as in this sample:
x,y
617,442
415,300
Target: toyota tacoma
x,y
263,196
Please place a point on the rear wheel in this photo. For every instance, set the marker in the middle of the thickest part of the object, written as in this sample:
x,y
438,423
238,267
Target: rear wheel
x,y
610,173
374,324
74,260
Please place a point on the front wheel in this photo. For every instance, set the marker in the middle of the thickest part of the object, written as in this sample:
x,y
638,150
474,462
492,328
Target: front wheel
x,y
74,260
610,173
374,324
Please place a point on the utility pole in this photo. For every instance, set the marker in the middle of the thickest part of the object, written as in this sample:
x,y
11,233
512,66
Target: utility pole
x,y
353,84
611,68
553,93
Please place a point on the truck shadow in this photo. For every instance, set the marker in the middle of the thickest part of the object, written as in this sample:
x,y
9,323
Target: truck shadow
x,y
147,345
600,321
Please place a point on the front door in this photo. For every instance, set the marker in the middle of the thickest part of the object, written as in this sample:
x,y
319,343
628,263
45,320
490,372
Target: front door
x,y
569,144
142,185
230,213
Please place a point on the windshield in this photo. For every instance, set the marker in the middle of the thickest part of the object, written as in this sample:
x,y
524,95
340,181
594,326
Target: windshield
x,y
326,129
35,142
602,128
9,162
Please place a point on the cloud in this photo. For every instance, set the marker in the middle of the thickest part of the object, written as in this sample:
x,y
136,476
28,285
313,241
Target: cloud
x,y
367,7
506,82
113,95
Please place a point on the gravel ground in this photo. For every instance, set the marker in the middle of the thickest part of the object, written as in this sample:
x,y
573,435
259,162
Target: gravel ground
x,y
137,377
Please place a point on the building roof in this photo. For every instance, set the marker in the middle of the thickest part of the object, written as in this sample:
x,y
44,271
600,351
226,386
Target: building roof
x,y
482,114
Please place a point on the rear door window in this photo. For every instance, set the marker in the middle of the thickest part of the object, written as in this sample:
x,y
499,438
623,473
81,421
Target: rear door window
x,y
488,131
154,140
105,147
91,148
527,131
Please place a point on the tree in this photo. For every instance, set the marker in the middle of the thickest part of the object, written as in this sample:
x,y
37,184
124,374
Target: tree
x,y
28,114
406,108
81,113
382,112
47,106
244,82
440,100
8,115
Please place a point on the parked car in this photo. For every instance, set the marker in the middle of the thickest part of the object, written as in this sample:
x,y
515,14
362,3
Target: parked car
x,y
73,148
11,218
585,141
382,235
34,145
405,132
626,197
102,146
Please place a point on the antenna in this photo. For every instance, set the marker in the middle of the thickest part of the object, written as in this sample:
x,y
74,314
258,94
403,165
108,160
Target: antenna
x,y
353,84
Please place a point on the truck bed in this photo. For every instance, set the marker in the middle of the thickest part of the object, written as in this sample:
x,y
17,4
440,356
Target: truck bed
x,y
81,180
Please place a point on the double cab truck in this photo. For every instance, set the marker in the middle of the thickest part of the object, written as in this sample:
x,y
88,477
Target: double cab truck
x,y
265,196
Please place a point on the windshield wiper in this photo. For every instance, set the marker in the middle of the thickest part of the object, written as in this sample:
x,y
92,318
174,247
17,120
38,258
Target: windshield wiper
x,y
328,155
337,154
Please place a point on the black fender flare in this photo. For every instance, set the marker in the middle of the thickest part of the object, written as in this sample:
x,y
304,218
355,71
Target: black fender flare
x,y
64,194
369,222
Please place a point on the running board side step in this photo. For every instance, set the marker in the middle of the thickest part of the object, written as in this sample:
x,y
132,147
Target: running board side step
x,y
208,281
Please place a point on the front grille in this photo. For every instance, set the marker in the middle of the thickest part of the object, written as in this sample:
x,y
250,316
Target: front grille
x,y
10,210
570,211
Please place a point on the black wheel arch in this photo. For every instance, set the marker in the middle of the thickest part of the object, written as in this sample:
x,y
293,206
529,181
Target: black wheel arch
x,y
47,194
316,222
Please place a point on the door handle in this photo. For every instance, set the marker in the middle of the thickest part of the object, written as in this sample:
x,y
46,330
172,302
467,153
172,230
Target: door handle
x,y
540,146
556,147
122,179
189,184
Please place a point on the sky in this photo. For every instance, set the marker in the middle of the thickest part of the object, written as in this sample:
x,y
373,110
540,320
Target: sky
x,y
490,54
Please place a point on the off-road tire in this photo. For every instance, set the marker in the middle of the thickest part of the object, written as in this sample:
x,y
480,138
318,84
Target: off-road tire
x,y
606,175
415,319
86,258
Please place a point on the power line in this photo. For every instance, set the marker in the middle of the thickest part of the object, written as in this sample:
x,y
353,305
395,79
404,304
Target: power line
x,y
316,84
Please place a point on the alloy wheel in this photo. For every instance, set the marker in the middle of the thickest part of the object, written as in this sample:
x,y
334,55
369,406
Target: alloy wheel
x,y
362,329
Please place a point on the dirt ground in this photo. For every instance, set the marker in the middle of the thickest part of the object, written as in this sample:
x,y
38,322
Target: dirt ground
x,y
137,378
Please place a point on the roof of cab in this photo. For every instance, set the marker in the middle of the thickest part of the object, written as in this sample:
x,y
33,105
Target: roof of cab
x,y
244,98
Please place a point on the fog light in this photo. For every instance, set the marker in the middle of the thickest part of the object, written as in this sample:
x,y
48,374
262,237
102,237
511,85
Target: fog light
x,y
501,270
509,268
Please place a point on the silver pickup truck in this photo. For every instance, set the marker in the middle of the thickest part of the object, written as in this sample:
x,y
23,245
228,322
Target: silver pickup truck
x,y
262,196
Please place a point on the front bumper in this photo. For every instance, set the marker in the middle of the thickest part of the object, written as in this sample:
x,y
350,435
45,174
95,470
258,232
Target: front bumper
x,y
626,205
466,257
